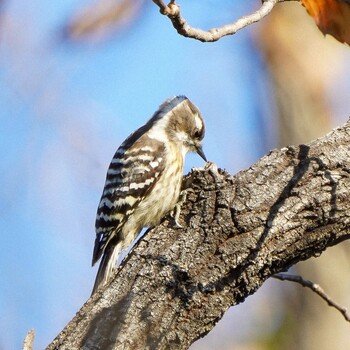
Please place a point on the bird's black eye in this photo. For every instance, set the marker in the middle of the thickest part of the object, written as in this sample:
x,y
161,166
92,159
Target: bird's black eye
x,y
197,134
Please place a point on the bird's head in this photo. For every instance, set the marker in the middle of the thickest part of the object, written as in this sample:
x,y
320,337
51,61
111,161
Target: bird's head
x,y
184,124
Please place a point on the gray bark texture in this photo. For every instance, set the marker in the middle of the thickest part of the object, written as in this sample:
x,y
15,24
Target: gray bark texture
x,y
177,283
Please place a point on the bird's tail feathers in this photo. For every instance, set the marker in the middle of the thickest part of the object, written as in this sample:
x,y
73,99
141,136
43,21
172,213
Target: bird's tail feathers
x,y
107,265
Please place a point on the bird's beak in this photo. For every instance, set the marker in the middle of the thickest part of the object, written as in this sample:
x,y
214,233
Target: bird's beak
x,y
200,152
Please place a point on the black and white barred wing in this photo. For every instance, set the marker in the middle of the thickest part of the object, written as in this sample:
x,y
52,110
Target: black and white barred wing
x,y
131,175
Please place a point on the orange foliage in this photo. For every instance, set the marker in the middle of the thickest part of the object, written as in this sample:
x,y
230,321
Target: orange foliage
x,y
331,16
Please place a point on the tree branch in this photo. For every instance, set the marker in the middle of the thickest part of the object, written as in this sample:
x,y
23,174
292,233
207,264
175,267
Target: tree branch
x,y
29,340
315,288
172,11
177,283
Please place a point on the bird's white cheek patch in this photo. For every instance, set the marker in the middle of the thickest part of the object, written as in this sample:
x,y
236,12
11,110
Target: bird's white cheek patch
x,y
198,121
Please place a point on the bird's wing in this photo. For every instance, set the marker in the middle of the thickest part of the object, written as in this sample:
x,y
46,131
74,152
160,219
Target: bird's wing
x,y
133,172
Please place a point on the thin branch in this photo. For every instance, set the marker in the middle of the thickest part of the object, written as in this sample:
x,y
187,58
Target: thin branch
x,y
315,288
172,11
29,340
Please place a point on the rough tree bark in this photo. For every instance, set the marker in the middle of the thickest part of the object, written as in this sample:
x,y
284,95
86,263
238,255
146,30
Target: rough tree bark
x,y
238,231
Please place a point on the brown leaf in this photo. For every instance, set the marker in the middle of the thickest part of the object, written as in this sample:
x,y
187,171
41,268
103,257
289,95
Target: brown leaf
x,y
331,16
100,19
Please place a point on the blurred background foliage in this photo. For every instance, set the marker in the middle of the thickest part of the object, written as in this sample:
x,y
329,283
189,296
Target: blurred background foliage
x,y
76,77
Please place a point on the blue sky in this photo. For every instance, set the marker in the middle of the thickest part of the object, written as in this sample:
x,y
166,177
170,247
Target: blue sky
x,y
64,110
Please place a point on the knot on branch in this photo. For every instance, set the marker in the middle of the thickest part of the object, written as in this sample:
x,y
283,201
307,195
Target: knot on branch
x,y
171,10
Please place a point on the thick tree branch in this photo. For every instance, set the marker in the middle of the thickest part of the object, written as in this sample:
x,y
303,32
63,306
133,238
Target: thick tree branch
x,y
172,11
315,288
238,231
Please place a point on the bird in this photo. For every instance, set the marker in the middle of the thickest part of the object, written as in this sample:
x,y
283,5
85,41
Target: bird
x,y
144,178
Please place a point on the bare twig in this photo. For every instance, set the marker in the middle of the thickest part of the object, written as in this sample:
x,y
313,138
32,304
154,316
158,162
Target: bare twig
x,y
315,288
172,10
29,340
